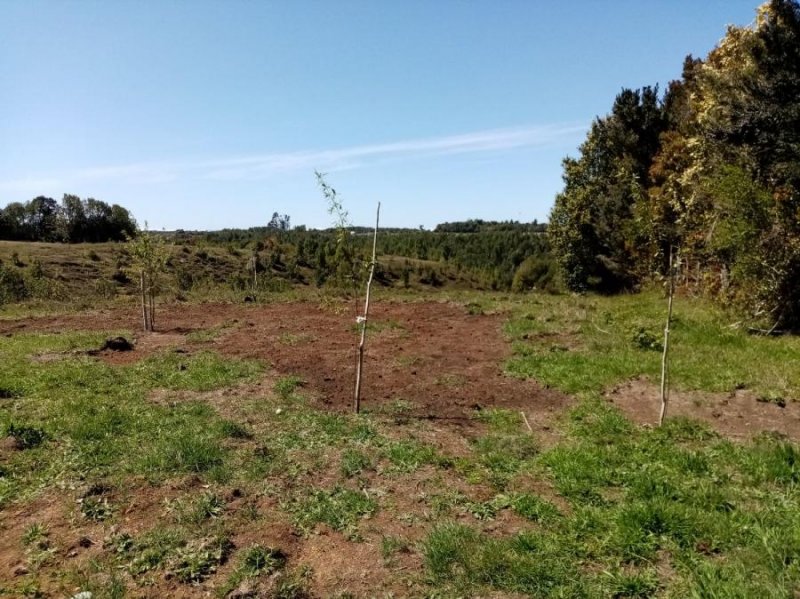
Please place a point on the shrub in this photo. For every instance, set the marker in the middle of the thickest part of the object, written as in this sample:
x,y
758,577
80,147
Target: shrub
x,y
535,272
12,286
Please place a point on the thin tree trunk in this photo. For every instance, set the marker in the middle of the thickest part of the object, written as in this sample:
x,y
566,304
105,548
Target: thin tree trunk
x,y
145,318
664,362
363,319
152,306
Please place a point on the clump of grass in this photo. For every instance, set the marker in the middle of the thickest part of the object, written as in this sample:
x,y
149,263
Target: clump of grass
x,y
339,508
534,508
709,355
287,385
526,563
35,535
153,549
408,455
197,510
503,455
199,559
356,461
185,450
258,560
204,371
499,420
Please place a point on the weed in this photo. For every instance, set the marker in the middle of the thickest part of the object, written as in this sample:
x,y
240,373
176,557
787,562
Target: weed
x,y
643,339
95,508
26,437
294,586
197,560
119,543
35,535
261,560
355,461
778,400
293,339
287,385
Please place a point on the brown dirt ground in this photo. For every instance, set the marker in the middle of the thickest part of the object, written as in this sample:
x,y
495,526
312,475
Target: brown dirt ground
x,y
737,415
434,359
440,360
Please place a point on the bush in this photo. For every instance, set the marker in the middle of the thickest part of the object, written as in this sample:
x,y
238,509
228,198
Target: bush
x,y
535,272
12,286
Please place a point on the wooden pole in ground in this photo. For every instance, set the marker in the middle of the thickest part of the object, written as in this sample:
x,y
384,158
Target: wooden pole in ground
x,y
254,264
664,363
145,314
363,319
152,303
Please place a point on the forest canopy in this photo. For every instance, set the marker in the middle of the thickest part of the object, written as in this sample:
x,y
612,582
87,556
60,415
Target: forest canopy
x,y
73,221
709,169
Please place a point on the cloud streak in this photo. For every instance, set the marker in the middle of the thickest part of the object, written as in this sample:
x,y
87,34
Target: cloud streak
x,y
262,166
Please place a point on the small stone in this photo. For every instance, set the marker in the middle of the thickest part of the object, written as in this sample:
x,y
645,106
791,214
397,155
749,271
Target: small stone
x,y
20,571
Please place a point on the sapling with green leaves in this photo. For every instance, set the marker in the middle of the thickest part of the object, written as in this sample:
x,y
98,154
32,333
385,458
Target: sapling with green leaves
x,y
149,255
350,270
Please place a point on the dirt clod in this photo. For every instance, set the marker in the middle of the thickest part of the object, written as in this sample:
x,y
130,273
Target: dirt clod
x,y
117,344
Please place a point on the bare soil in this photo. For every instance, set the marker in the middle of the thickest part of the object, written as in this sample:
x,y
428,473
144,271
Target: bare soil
x,y
737,415
442,362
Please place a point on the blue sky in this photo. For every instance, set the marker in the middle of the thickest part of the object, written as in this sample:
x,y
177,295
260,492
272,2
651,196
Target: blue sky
x,y
204,115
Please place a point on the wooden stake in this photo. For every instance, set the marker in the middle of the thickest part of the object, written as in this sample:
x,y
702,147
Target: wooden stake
x,y
525,419
664,363
363,319
152,304
145,320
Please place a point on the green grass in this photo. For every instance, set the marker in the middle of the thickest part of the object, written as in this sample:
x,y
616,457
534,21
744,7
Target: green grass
x,y
340,508
587,344
604,508
79,417
724,517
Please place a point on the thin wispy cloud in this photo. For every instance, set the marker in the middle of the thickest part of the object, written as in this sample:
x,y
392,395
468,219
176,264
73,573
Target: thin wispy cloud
x,y
262,166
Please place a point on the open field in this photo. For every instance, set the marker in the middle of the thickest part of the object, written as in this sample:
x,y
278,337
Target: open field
x,y
219,457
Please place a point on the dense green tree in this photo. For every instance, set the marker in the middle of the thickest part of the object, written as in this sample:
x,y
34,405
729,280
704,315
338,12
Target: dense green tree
x,y
74,221
592,226
713,170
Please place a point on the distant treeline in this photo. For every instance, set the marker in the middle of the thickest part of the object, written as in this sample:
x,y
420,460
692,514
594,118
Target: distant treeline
x,y
73,221
489,226
709,172
501,255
